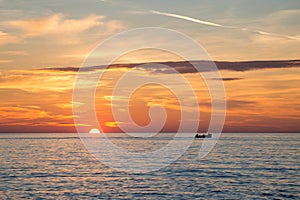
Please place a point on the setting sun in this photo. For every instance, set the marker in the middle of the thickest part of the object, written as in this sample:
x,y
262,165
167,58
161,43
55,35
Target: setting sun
x,y
94,131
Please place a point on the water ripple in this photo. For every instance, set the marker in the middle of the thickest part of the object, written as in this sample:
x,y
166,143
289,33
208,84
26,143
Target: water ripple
x,y
256,166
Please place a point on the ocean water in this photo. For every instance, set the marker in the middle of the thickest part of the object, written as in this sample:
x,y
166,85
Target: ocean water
x,y
241,166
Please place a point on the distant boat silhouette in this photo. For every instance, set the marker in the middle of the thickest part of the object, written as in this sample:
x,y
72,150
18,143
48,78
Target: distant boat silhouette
x,y
209,135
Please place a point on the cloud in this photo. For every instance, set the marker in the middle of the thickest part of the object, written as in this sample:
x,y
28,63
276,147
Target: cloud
x,y
53,38
57,24
3,33
26,115
228,79
40,26
281,24
238,104
285,16
6,38
113,124
28,109
256,65
14,53
5,61
59,27
269,34
186,67
27,80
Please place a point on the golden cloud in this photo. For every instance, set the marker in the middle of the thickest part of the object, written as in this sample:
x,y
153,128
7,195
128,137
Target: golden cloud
x,y
60,28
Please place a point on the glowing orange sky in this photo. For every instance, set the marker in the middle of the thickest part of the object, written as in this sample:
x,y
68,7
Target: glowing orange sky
x,y
258,101
35,35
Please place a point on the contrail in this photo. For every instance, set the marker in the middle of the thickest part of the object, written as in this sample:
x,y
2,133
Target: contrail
x,y
223,26
275,34
186,18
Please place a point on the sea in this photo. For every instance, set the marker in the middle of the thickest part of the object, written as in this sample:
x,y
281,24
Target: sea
x,y
240,166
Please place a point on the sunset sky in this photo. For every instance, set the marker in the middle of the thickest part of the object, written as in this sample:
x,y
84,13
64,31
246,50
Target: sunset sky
x,y
39,40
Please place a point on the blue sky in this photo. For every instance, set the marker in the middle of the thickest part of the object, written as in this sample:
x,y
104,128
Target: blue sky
x,y
264,30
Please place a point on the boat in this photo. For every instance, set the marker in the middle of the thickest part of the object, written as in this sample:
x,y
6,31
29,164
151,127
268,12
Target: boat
x,y
209,135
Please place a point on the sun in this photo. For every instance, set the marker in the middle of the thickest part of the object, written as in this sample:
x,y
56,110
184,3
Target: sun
x,y
94,131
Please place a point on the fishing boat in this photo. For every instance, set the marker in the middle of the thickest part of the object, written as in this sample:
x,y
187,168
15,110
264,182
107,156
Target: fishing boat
x,y
209,135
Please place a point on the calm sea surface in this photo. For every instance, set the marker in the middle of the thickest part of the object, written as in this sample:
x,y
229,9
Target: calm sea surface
x,y
241,166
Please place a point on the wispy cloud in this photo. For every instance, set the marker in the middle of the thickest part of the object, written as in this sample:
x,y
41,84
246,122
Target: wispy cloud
x,y
57,24
5,61
53,37
273,34
59,27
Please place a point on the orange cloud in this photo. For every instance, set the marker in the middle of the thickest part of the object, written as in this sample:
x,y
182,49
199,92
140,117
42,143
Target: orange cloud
x,y
112,124
58,27
58,24
34,27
